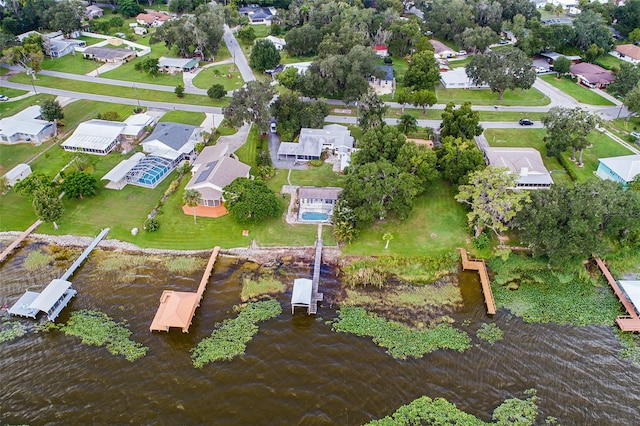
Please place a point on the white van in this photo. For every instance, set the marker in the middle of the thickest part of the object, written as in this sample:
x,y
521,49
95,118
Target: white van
x,y
273,127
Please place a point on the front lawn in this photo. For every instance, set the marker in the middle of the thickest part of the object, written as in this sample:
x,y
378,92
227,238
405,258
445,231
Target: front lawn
x,y
219,74
184,117
12,93
576,91
72,64
10,108
530,97
528,138
602,147
317,176
248,153
437,225
609,61
83,110
117,91
436,114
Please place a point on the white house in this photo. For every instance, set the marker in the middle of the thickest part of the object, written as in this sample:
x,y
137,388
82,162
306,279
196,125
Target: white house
x,y
18,173
526,163
312,142
258,15
176,65
98,137
117,176
212,171
457,79
26,126
278,42
385,84
136,124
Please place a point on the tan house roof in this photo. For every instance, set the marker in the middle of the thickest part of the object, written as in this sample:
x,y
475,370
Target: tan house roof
x,y
629,50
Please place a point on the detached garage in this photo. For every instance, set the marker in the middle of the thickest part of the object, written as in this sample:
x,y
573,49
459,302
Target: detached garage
x,y
17,174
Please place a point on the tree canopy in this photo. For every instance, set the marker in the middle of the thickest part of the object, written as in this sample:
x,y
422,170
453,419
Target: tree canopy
x,y
264,55
627,78
47,205
507,68
568,128
51,110
292,114
423,71
79,185
460,123
250,201
371,111
250,104
457,157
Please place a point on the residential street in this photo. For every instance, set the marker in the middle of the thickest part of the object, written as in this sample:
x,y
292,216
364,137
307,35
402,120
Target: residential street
x,y
238,55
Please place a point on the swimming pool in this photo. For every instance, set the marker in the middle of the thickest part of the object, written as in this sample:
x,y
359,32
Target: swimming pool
x,y
315,216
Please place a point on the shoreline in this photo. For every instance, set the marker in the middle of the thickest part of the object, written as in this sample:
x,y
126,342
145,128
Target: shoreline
x,y
331,255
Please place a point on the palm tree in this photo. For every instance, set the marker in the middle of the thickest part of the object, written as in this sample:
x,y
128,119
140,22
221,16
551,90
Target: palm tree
x,y
192,198
407,123
387,237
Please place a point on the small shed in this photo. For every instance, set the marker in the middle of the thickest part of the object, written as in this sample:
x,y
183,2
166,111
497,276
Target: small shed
x,y
301,295
18,173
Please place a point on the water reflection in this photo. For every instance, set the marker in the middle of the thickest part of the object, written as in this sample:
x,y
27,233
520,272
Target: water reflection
x,y
296,370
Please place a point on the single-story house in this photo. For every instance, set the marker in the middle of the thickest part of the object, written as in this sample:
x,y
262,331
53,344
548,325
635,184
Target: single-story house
x,y
26,126
98,137
59,47
278,42
552,56
152,19
628,52
385,84
301,67
525,162
457,79
441,50
443,65
135,125
17,174
592,75
312,142
317,203
106,54
259,15
175,65
175,140
382,51
622,169
93,11
212,171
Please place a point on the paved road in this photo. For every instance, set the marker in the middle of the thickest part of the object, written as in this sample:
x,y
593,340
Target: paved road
x,y
238,55
436,123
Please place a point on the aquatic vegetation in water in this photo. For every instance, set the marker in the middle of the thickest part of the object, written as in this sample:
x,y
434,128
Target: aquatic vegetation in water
x,y
264,285
36,259
529,289
417,270
490,333
10,330
230,337
400,340
96,328
112,261
439,411
630,346
185,264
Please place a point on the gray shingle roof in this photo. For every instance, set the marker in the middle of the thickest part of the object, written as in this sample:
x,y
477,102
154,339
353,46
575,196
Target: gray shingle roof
x,y
174,135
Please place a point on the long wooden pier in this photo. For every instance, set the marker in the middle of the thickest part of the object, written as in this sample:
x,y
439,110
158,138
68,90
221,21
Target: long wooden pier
x,y
177,308
7,251
315,295
631,321
479,265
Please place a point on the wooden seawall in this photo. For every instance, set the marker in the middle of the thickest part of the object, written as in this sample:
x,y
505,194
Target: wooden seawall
x,y
7,251
479,265
630,322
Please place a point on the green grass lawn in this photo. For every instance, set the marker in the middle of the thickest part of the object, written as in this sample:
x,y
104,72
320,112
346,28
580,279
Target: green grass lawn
x,y
317,176
12,155
530,97
70,64
458,63
184,117
602,147
83,110
436,114
11,93
285,58
436,225
119,91
528,138
90,40
219,74
576,91
223,53
248,153
10,108
609,61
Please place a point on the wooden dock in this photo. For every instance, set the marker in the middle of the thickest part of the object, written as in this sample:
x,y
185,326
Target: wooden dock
x,y
631,321
177,308
479,265
315,295
7,251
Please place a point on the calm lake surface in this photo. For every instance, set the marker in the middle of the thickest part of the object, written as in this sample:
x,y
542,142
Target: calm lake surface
x,y
296,370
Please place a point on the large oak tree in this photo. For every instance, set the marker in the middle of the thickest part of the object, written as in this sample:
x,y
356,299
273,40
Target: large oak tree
x,y
507,68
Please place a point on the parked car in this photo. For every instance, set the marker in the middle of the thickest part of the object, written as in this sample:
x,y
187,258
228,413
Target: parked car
x,y
3,98
635,135
503,42
541,70
273,127
462,52
525,122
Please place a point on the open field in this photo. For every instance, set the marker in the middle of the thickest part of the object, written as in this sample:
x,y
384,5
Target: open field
x,y
83,110
219,74
118,91
531,97
576,91
184,117
12,155
436,225
528,138
72,64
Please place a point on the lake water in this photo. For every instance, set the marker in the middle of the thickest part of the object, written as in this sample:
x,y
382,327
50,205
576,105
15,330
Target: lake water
x,y
296,370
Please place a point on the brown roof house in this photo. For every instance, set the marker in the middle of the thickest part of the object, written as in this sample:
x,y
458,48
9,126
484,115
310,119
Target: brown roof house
x,y
629,53
152,19
592,76
212,171
111,55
